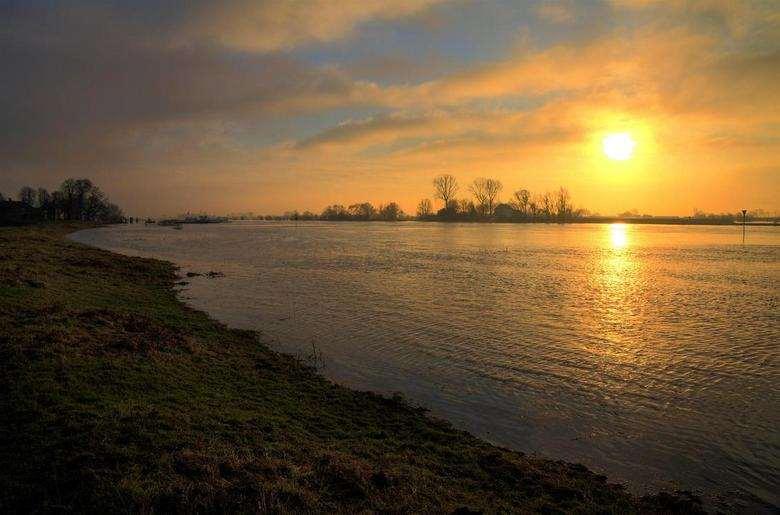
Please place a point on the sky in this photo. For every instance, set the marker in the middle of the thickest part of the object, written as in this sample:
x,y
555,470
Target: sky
x,y
268,106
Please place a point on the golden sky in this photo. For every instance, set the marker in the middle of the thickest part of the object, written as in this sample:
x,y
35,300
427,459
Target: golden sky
x,y
271,106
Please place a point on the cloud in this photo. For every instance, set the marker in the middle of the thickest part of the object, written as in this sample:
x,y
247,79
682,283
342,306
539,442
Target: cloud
x,y
674,69
268,26
368,131
556,12
80,64
178,90
72,88
753,19
469,133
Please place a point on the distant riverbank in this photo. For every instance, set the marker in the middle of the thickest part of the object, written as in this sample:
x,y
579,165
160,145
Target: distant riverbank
x,y
120,398
651,220
641,220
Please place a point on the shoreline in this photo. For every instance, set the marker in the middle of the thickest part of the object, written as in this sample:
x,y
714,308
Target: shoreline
x,y
124,398
581,221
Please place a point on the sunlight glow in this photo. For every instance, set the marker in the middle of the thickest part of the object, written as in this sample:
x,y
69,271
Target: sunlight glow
x,y
618,235
619,146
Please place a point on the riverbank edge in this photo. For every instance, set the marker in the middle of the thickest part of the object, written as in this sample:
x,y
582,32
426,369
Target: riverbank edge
x,y
122,398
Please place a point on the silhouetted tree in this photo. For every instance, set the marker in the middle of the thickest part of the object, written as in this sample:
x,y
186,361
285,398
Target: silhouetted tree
x,y
109,212
44,202
533,206
77,199
335,212
67,200
546,205
445,188
43,197
466,208
485,192
520,201
390,212
563,206
57,205
93,203
27,196
84,190
424,208
362,211
75,193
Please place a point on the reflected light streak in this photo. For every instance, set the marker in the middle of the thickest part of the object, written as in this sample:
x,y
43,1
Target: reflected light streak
x,y
618,235
616,280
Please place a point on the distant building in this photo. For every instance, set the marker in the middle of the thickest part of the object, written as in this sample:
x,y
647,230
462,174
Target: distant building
x,y
504,211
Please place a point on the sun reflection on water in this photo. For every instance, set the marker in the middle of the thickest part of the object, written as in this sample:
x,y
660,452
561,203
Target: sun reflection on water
x,y
618,235
616,307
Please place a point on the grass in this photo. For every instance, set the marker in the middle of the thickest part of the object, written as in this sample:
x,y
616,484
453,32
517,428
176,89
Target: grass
x,y
119,398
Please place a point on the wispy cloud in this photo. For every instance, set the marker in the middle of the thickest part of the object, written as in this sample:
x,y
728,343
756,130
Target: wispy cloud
x,y
271,25
182,89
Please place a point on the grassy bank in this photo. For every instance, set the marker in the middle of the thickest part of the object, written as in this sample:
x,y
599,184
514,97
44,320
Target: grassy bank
x,y
117,397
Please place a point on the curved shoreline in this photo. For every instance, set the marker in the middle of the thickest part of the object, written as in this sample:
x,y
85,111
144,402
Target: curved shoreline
x,y
187,413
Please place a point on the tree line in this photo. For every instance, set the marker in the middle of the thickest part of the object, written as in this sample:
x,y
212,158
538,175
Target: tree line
x,y
76,199
363,211
486,204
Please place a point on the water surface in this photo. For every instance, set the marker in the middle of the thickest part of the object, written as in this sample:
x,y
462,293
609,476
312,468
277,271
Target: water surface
x,y
648,353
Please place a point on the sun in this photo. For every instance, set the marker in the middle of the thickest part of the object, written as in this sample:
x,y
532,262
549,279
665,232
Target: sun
x,y
619,146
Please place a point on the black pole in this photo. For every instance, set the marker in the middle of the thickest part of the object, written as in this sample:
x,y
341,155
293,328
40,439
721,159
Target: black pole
x,y
744,213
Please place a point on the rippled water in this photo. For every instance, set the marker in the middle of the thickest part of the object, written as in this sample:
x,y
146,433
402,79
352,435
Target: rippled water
x,y
647,352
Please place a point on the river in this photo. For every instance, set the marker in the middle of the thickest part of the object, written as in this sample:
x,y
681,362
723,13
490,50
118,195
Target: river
x,y
646,352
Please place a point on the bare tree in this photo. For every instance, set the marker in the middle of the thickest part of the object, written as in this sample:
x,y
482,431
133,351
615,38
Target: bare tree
x,y
74,197
390,212
83,190
44,198
67,196
424,208
486,192
27,196
77,199
110,213
45,203
563,206
56,205
335,212
445,187
466,207
362,211
521,200
533,206
546,205
93,204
